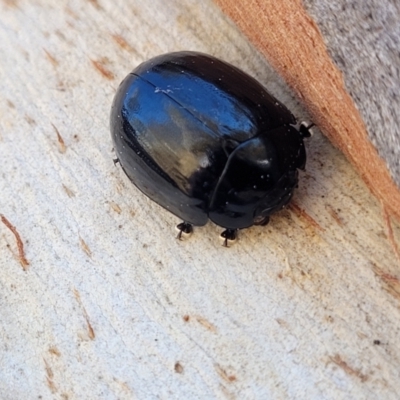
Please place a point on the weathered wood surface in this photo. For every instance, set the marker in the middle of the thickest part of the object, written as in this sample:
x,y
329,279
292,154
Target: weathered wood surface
x,y
107,303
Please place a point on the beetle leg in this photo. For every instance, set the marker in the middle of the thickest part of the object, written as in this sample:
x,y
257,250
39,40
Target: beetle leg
x,y
262,221
116,161
305,129
228,236
184,230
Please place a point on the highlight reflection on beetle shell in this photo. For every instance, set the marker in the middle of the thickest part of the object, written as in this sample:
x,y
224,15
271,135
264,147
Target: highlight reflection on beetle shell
x,y
205,140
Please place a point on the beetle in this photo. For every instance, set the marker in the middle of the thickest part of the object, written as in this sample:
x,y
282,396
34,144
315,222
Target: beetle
x,y
205,141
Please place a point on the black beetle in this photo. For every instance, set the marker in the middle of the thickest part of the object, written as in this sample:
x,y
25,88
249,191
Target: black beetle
x,y
206,141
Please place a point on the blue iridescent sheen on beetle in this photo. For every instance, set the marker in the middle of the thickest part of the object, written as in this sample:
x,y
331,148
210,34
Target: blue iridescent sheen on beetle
x,y
206,141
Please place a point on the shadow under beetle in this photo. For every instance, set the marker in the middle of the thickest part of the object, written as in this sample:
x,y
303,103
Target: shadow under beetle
x,y
206,141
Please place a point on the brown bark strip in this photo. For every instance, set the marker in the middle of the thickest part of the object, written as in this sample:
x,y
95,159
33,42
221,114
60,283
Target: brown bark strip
x,y
292,42
99,65
61,144
390,235
91,332
20,245
303,215
346,367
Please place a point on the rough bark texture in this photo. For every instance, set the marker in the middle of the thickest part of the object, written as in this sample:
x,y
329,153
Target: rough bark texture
x,y
289,37
97,298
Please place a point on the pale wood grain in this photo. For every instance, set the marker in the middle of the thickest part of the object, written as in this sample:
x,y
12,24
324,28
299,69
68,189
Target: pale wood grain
x,y
112,306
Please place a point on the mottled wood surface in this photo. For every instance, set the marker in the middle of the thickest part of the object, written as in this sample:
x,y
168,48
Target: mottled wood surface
x,y
97,298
